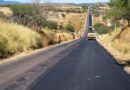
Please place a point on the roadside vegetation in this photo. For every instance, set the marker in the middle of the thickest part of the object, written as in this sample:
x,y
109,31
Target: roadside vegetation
x,y
82,9
120,10
69,28
16,38
119,14
102,29
27,27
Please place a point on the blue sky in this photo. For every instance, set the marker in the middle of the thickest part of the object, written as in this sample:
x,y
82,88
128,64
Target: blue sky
x,y
66,1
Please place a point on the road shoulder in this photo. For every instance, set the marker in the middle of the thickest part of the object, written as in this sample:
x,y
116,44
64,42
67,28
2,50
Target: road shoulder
x,y
30,76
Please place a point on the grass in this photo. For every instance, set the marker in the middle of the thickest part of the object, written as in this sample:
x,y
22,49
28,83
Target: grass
x,y
121,40
16,38
76,20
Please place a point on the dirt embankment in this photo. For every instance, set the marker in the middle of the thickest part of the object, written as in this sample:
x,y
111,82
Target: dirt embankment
x,y
118,44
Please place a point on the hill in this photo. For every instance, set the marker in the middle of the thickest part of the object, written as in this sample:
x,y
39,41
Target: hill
x,y
8,2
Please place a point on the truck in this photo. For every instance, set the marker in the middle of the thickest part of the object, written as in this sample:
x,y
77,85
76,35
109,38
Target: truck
x,y
91,36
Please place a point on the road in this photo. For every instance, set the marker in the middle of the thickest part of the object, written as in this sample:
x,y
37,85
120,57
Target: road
x,y
88,67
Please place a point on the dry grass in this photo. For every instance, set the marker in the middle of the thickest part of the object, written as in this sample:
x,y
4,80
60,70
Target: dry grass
x,y
77,20
122,41
5,10
16,38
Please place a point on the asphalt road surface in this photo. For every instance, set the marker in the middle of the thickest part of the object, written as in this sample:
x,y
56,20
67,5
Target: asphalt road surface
x,y
87,67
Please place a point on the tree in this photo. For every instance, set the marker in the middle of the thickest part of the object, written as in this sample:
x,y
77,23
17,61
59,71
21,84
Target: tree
x,y
101,28
120,9
32,15
52,25
84,7
28,15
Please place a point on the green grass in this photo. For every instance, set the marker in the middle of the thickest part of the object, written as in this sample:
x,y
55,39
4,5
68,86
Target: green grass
x,y
102,29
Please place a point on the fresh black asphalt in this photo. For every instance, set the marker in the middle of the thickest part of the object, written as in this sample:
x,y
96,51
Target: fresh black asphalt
x,y
87,67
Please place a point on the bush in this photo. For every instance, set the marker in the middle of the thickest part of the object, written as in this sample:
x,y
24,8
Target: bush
x,y
69,28
52,25
16,38
63,15
101,28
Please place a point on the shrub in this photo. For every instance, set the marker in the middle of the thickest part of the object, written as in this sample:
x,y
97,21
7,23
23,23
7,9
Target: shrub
x,y
101,28
52,25
69,28
63,15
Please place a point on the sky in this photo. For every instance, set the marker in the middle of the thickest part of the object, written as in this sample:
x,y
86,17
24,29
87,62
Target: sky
x,y
66,1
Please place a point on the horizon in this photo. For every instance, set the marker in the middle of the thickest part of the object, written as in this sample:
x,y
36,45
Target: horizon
x,y
63,1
